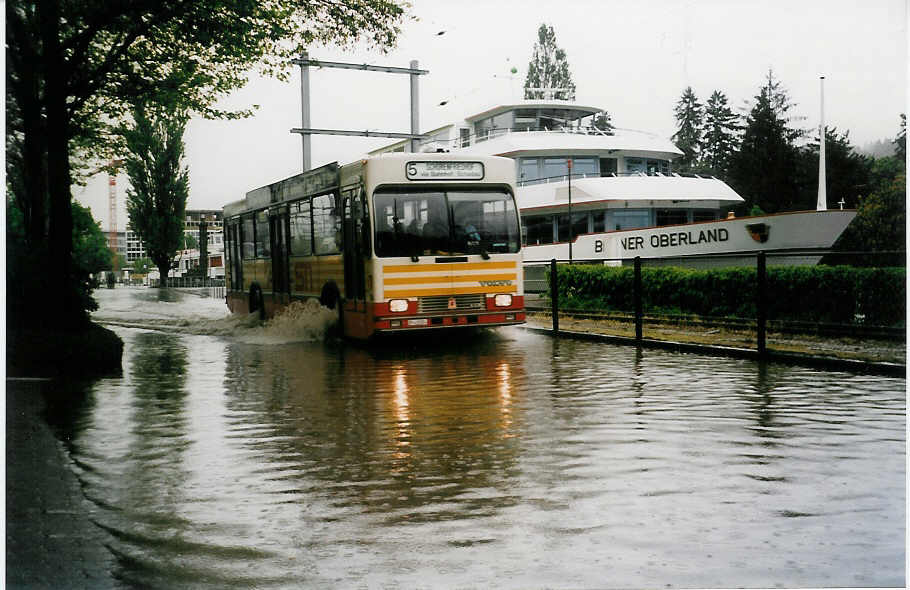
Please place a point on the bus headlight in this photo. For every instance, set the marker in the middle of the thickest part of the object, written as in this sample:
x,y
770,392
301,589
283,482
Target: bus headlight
x,y
502,300
398,305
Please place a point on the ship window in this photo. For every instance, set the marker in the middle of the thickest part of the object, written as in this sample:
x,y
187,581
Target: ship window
x,y
631,218
584,167
671,216
635,165
579,226
607,166
554,167
600,220
529,169
539,230
704,215
661,166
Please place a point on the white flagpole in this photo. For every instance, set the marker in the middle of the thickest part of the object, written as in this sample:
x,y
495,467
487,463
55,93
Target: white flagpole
x,y
822,204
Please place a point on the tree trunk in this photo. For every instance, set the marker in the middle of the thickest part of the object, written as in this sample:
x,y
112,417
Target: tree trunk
x,y
163,268
60,230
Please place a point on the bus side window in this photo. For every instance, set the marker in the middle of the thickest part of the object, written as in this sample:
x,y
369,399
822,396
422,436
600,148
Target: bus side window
x,y
326,225
247,233
301,229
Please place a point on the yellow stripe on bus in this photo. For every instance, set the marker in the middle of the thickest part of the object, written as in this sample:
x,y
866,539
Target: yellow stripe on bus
x,y
450,278
449,291
449,266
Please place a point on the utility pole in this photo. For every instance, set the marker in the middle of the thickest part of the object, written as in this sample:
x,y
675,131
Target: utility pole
x,y
306,131
571,228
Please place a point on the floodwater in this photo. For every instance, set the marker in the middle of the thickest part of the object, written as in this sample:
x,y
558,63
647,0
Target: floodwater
x,y
231,454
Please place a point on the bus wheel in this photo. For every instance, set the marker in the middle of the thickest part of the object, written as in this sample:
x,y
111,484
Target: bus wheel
x,y
256,302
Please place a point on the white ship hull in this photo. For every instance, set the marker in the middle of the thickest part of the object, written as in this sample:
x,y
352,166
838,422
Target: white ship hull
x,y
788,238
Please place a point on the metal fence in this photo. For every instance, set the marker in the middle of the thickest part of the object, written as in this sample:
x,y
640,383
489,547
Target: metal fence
x,y
762,333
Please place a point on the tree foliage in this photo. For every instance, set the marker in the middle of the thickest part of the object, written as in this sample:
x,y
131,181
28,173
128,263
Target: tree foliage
x,y
764,170
548,69
604,122
689,121
900,142
719,139
156,201
849,172
74,70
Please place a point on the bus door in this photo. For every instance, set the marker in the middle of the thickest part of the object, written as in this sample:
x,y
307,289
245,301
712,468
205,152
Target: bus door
x,y
278,236
358,320
235,254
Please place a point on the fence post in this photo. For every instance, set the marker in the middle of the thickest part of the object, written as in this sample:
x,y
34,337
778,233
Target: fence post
x,y
636,293
761,304
554,297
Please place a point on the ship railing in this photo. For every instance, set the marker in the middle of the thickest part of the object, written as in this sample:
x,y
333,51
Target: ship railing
x,y
565,177
436,143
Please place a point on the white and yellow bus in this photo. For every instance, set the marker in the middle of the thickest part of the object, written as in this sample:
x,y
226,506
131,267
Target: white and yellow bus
x,y
394,243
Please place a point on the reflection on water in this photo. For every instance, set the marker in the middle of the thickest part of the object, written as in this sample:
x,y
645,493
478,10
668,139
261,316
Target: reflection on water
x,y
513,460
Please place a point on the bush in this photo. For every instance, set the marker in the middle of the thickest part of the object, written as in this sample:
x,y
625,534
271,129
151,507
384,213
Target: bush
x,y
837,294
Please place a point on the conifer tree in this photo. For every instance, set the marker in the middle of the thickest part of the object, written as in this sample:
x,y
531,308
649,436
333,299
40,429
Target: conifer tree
x,y
765,169
604,122
548,69
900,142
690,120
719,141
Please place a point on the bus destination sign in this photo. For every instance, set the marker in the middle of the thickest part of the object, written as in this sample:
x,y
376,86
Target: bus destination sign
x,y
444,170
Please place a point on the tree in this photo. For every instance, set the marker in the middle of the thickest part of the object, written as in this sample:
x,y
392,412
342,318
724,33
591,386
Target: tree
x,y
91,254
765,168
75,68
156,201
880,223
847,172
604,122
690,120
719,140
142,266
900,142
548,70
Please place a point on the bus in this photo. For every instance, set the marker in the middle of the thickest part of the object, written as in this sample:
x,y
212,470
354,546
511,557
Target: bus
x,y
397,242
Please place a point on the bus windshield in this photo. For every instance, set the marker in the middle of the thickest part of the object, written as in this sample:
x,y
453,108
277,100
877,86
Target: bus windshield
x,y
414,221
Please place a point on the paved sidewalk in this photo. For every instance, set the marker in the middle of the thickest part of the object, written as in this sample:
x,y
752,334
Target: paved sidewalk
x,y
51,541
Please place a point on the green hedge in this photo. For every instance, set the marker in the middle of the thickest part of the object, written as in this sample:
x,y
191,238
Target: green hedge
x,y
838,294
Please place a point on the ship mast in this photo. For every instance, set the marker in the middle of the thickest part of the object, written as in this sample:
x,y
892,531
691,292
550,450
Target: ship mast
x,y
822,204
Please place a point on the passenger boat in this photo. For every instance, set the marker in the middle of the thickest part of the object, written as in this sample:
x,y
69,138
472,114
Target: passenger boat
x,y
586,193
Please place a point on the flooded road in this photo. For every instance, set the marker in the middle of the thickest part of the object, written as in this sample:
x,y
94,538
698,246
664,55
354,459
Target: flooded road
x,y
234,455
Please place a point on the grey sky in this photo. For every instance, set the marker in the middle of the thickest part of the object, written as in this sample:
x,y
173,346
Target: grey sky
x,y
632,58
